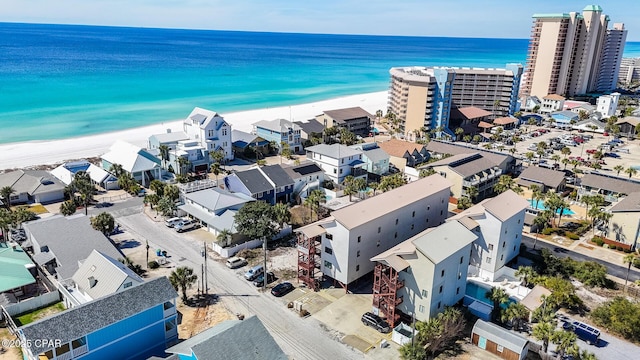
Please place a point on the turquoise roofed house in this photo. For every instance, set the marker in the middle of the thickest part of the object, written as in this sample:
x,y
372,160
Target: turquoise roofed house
x,y
16,266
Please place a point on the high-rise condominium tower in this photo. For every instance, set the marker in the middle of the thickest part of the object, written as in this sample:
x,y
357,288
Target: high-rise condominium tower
x,y
573,53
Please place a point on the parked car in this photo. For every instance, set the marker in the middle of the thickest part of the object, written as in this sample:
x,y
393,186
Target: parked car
x,y
282,289
376,322
254,272
569,143
623,150
578,139
259,281
236,262
173,221
142,192
185,225
592,151
532,147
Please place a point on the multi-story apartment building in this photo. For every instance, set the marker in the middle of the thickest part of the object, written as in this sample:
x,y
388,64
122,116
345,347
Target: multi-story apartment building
x,y
498,224
355,119
629,70
342,244
210,130
607,104
423,275
279,131
338,161
609,67
467,171
572,53
624,225
423,97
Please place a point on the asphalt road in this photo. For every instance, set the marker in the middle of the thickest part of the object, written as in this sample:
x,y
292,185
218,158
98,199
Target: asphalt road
x,y
299,338
612,269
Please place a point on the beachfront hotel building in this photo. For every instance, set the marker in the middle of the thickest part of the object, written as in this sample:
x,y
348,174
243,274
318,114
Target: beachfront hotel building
x,y
629,70
424,96
573,53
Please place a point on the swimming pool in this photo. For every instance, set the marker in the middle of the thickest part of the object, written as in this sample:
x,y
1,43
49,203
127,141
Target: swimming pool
x,y
479,293
541,207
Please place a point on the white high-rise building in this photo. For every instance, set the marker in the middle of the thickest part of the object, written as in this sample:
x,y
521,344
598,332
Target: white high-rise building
x,y
607,104
629,70
573,53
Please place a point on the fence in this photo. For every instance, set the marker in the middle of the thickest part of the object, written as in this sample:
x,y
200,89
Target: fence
x,y
112,198
33,303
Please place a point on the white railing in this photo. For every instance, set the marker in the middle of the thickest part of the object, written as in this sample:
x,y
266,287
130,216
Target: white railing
x,y
80,350
169,312
66,356
197,185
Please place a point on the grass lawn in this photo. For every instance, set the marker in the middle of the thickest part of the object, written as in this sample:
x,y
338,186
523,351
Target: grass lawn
x,y
30,317
35,208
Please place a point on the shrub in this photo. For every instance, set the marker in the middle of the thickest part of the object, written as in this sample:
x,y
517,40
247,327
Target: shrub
x,y
606,246
619,248
597,240
153,265
636,262
547,231
620,316
571,235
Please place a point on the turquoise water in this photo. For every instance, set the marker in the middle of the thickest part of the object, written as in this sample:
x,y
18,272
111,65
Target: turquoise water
x,y
540,206
60,81
479,293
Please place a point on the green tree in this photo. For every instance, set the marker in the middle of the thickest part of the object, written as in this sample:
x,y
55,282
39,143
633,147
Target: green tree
x,y
21,215
216,170
172,192
590,273
565,151
506,182
152,199
525,274
472,192
459,131
529,155
103,222
5,194
412,351
516,313
628,259
6,219
68,208
540,221
85,188
116,170
564,340
182,278
426,172
619,315
125,180
618,168
439,333
218,156
282,214
498,297
166,206
464,203
157,186
476,138
544,332
285,150
164,154
631,171
391,182
183,164
224,237
313,201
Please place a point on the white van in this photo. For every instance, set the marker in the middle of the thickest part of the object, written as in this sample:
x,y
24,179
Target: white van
x,y
172,222
568,142
236,262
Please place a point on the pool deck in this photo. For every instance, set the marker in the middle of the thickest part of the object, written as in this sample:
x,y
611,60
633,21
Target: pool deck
x,y
511,286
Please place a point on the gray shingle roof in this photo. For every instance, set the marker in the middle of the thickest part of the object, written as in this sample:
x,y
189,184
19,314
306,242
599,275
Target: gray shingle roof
x,y
232,340
376,154
79,321
342,115
254,181
631,203
71,239
548,177
277,175
310,126
611,183
241,139
278,125
31,181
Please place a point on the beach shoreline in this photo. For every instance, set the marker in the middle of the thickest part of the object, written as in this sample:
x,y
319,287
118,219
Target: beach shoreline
x,y
48,152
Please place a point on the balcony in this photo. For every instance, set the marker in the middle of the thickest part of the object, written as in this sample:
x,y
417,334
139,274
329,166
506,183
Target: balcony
x,y
80,350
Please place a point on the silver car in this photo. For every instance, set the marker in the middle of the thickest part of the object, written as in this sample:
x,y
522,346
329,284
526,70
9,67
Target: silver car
x,y
185,225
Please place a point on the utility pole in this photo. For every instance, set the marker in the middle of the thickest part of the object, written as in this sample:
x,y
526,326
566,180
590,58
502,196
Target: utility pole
x,y
206,274
264,247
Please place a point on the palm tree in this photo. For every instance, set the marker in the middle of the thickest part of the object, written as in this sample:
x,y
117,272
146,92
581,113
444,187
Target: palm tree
x,y
215,169
218,156
68,208
426,172
182,278
525,274
282,214
86,189
472,192
631,171
5,193
315,198
506,182
555,158
116,170
529,155
467,138
6,219
164,154
224,237
182,163
543,331
374,187
536,194
540,221
629,260
618,168
565,161
498,296
516,313
565,151
459,131
563,340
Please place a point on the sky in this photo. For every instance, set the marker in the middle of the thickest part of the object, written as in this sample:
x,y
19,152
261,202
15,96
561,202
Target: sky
x,y
456,18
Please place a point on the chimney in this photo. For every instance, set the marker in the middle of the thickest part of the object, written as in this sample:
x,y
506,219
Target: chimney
x,y
168,131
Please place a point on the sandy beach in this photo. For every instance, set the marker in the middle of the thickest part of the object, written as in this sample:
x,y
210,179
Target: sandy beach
x,y
25,154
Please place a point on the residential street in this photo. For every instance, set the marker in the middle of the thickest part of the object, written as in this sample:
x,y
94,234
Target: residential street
x,y
299,338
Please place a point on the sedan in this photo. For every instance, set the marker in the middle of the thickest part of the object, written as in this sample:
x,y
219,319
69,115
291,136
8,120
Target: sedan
x,y
259,281
282,289
613,155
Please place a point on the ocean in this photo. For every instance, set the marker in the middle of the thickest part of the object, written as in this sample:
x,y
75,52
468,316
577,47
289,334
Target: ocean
x,y
61,81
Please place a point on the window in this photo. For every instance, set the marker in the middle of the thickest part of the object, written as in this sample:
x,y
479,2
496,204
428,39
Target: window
x,y
413,214
335,171
421,308
488,260
490,247
505,231
500,348
340,171
358,253
359,238
439,304
442,273
501,257
260,194
395,236
328,250
458,291
440,291
127,285
503,244
461,259
378,244
424,293
440,212
328,265
210,134
342,160
412,226
379,229
396,221
428,207
459,275
224,132
357,267
518,221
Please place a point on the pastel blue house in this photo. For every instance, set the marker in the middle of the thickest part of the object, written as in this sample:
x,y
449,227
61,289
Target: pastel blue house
x,y
564,117
231,340
135,323
279,131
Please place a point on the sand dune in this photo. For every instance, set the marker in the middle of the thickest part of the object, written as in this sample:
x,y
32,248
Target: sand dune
x,y
25,154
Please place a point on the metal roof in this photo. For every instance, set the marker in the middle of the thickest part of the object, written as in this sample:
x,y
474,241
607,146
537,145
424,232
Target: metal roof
x,y
334,151
500,336
466,164
87,318
278,125
443,241
109,275
218,200
131,157
31,181
170,137
242,139
15,264
232,340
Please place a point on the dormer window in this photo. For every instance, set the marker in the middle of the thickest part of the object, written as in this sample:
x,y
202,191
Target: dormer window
x,y
92,282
